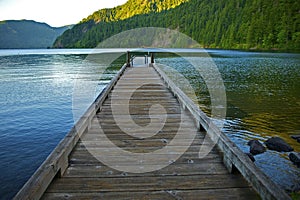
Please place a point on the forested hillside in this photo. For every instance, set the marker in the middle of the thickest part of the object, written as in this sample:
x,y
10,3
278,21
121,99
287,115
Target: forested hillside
x,y
232,24
132,8
77,37
27,34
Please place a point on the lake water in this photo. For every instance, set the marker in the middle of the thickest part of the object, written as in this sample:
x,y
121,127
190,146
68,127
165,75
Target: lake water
x,y
263,100
36,99
36,93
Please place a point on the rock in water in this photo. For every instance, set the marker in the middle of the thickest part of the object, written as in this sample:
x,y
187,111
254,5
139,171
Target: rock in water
x,y
295,158
296,137
278,144
256,147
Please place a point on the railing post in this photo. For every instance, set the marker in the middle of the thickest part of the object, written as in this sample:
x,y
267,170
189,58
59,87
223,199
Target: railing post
x,y
152,58
128,59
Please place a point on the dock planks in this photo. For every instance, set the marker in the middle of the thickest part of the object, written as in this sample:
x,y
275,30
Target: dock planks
x,y
186,178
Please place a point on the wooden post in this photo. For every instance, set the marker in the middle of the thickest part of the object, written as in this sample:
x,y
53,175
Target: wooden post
x,y
152,58
128,59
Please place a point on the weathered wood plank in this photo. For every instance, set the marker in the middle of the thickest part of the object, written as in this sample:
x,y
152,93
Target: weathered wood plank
x,y
87,158
142,101
130,146
135,96
141,93
170,116
160,135
148,183
178,169
150,87
168,123
167,127
213,194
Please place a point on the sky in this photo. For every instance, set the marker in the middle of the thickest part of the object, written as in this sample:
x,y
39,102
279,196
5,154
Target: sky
x,y
53,12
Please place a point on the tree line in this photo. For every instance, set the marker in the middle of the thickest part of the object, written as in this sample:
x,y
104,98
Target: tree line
x,y
229,24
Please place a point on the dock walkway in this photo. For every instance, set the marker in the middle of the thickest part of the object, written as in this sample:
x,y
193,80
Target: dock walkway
x,y
87,164
187,178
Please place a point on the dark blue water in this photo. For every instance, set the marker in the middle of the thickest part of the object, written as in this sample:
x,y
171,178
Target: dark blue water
x,y
36,99
36,91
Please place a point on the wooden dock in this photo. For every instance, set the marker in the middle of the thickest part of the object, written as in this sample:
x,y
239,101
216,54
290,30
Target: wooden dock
x,y
72,172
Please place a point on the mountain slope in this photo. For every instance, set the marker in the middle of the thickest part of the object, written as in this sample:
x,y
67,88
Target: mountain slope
x,y
231,24
27,34
132,8
129,9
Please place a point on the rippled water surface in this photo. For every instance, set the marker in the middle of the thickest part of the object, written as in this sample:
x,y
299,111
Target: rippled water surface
x,y
263,100
36,91
36,99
